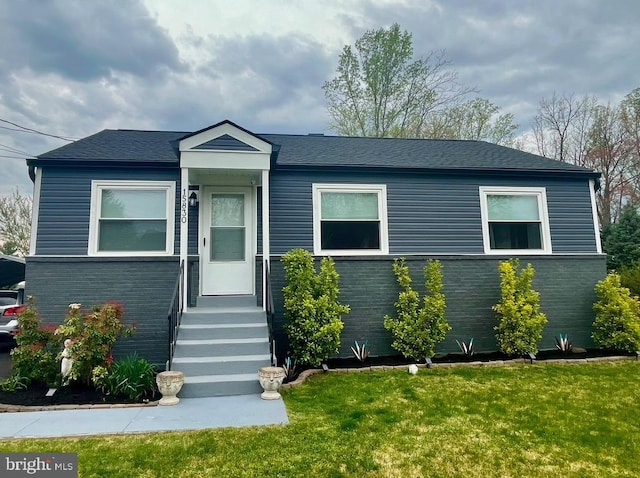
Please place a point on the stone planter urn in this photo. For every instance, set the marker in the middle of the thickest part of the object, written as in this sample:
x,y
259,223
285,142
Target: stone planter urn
x,y
169,384
270,379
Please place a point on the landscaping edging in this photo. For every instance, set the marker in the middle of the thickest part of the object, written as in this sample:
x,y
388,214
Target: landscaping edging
x,y
45,408
495,363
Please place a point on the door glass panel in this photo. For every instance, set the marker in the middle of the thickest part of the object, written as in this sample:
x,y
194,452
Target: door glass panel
x,y
227,227
227,210
227,244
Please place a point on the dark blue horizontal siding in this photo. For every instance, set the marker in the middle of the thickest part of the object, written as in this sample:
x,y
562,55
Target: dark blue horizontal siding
x,y
431,214
65,204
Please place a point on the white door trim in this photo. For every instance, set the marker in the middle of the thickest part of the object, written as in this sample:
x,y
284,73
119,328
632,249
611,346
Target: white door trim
x,y
229,278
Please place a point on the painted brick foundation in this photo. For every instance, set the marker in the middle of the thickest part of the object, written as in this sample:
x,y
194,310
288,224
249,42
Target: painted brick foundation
x,y
143,286
472,287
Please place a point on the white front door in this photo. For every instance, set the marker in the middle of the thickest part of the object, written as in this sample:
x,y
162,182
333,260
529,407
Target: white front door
x,y
226,241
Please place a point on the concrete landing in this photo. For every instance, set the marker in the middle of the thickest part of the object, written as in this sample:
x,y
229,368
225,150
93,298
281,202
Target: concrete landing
x,y
189,414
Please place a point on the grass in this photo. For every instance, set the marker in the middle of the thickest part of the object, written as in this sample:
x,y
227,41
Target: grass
x,y
536,420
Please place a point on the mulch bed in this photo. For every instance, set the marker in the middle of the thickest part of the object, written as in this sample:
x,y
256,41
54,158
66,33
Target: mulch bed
x,y
75,394
398,360
542,355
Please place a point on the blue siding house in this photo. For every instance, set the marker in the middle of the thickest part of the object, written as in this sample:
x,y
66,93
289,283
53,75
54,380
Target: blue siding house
x,y
197,222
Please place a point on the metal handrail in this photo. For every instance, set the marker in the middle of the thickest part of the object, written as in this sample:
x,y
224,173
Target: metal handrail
x,y
270,309
174,314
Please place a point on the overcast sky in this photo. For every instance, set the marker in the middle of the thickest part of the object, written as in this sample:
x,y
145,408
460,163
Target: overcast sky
x,y
72,68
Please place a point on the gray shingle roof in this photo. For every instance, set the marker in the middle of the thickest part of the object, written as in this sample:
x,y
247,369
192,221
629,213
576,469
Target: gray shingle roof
x,y
318,150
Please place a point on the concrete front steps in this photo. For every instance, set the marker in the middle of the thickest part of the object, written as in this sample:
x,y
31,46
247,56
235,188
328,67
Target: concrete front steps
x,y
221,345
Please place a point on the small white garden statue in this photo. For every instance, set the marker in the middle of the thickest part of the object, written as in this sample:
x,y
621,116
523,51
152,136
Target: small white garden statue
x,y
67,361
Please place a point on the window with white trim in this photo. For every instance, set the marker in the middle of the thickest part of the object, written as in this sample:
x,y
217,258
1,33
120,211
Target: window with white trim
x,y
515,220
350,219
132,218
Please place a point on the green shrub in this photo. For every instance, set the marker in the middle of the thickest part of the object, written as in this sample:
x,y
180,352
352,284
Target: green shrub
x,y
418,329
132,376
621,241
35,359
520,322
630,278
93,336
617,323
312,310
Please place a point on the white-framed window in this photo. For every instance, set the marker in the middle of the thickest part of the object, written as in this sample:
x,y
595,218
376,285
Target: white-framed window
x,y
350,219
515,220
132,218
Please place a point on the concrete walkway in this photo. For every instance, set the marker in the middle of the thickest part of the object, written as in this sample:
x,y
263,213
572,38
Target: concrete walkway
x,y
189,414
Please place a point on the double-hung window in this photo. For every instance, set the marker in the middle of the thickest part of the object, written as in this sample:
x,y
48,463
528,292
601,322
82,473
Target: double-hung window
x,y
350,219
132,218
515,220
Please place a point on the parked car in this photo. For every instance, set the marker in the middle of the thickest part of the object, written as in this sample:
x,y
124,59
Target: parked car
x,y
11,304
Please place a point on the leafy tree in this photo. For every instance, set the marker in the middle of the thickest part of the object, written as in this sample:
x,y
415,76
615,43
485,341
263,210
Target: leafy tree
x,y
380,90
478,119
621,241
15,224
520,321
418,328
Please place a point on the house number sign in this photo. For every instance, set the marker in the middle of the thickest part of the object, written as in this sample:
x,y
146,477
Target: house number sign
x,y
183,207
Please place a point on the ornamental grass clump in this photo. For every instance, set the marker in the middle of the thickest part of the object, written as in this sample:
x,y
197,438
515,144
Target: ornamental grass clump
x,y
132,377
312,309
419,325
617,323
520,321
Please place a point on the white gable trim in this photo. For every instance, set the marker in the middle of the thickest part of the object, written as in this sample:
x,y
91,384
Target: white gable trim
x,y
224,159
191,142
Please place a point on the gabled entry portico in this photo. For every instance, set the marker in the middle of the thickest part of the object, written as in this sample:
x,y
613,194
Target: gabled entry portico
x,y
228,168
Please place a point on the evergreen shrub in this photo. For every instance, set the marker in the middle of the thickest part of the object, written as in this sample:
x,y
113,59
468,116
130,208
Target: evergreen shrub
x,y
617,323
419,325
312,309
520,321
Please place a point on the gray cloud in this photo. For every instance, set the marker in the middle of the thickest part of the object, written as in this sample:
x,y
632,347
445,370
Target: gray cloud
x,y
83,40
518,52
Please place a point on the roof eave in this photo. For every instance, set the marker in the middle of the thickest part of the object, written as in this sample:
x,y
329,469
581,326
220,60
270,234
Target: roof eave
x,y
40,161
451,171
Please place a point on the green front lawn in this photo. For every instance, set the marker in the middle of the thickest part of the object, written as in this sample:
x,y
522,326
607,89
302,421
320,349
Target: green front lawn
x,y
528,420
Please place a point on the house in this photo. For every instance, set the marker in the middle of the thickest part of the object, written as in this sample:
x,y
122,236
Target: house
x,y
200,220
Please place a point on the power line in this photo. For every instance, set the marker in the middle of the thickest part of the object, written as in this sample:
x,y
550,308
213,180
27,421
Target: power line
x,y
12,157
11,149
24,129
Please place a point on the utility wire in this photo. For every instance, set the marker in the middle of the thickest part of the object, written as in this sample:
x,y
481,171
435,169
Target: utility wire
x,y
24,129
11,149
12,157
